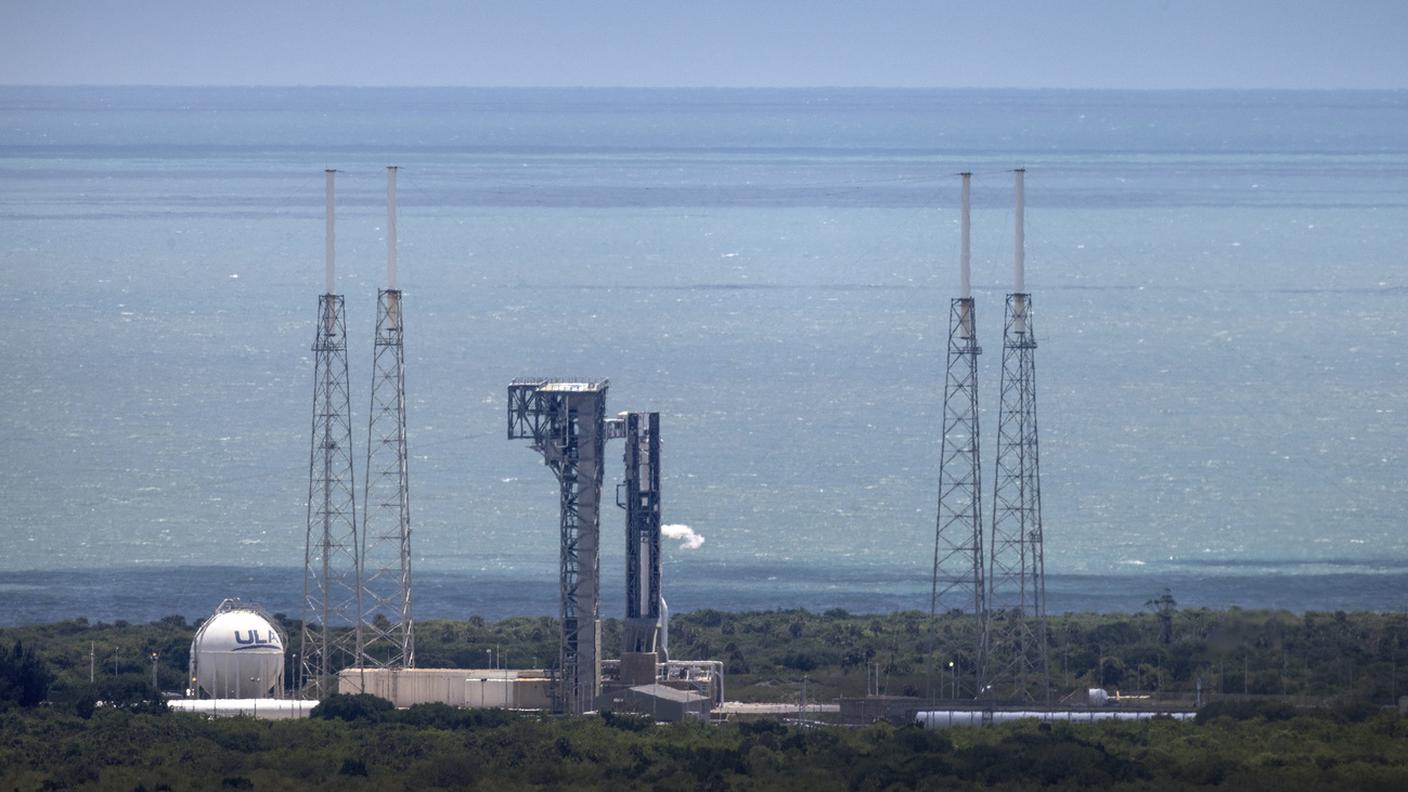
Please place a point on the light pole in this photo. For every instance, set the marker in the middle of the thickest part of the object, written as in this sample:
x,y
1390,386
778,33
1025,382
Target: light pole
x,y
155,685
953,674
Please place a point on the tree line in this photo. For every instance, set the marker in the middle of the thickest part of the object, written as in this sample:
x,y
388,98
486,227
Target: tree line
x,y
1165,651
353,744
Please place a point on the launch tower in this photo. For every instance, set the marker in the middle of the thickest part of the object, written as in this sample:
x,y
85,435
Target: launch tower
x,y
639,495
566,423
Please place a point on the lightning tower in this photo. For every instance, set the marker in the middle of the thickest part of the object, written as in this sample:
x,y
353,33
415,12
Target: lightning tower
x,y
958,542
1016,574
331,634
566,423
387,628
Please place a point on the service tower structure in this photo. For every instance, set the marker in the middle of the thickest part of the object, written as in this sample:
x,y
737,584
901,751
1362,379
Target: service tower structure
x,y
639,494
1016,573
958,541
331,634
565,423
387,626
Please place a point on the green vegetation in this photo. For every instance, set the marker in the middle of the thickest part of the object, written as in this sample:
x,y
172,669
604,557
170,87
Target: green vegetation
x,y
359,742
1164,651
442,748
24,678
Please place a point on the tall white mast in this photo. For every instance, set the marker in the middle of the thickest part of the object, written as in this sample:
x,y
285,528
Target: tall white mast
x,y
1019,261
1019,264
391,227
328,244
965,260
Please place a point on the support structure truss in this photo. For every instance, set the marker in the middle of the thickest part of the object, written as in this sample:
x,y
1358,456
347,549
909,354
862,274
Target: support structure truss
x,y
331,634
565,423
386,622
1016,574
958,541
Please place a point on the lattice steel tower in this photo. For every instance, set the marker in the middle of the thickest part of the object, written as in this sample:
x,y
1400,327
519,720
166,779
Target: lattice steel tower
x,y
387,627
1016,574
958,541
566,423
331,633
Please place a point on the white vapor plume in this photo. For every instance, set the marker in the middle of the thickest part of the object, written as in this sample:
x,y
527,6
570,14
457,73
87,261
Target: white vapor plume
x,y
689,540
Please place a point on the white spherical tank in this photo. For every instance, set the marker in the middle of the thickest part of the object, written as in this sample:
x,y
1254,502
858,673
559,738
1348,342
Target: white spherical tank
x,y
237,653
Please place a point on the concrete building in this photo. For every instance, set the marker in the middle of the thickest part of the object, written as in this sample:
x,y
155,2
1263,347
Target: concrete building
x,y
458,687
660,702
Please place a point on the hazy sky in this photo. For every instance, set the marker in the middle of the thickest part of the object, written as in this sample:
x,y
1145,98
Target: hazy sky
x,y
976,43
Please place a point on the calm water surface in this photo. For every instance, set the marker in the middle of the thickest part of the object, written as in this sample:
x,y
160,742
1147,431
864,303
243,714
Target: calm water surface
x,y
1219,283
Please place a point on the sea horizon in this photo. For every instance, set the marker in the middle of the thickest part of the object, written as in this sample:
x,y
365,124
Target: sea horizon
x,y
701,87
140,594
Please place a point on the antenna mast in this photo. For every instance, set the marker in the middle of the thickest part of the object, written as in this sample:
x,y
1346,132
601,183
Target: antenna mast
x,y
1017,577
958,538
331,585
386,620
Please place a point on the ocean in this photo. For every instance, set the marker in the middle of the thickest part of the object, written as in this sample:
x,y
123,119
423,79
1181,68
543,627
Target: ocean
x,y
1218,280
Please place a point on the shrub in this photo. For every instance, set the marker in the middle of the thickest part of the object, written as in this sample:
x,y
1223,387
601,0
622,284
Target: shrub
x,y
352,707
130,692
763,726
1356,711
799,661
1247,710
626,721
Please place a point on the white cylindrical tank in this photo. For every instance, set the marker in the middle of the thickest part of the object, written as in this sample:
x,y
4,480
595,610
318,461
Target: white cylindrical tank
x,y
237,654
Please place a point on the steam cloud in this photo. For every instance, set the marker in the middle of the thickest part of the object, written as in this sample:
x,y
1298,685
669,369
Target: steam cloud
x,y
689,540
